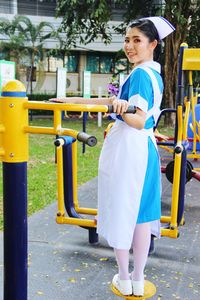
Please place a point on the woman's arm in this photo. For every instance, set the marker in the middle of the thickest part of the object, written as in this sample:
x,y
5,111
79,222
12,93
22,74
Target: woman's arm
x,y
136,120
120,106
80,100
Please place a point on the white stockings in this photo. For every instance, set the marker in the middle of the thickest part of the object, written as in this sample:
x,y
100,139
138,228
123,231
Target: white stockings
x,y
122,257
141,243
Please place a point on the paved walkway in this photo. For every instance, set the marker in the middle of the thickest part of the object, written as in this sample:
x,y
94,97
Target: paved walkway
x,y
63,265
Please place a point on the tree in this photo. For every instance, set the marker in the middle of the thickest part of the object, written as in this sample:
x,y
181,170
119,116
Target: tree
x,y
29,39
185,15
85,21
35,36
12,43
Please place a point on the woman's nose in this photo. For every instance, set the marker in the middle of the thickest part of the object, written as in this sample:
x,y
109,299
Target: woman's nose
x,y
130,46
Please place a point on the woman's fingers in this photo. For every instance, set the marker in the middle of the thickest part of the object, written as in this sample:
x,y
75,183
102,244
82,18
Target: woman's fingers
x,y
120,106
57,100
112,99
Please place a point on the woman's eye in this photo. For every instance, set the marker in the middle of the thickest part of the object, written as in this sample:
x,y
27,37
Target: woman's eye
x,y
137,40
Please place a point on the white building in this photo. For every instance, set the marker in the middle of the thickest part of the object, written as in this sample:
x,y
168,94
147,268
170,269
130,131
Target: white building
x,y
95,57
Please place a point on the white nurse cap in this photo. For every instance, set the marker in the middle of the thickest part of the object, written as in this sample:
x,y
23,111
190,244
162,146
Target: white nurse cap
x,y
163,26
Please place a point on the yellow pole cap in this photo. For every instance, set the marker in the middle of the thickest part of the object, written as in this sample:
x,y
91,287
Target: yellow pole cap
x,y
184,45
14,88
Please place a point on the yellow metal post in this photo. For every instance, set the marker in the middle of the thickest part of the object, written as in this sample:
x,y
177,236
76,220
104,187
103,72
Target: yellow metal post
x,y
13,119
14,153
177,172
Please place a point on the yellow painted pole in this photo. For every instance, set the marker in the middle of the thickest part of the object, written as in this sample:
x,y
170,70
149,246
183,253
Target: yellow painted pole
x,y
74,173
177,171
165,219
186,117
13,119
57,120
14,154
78,209
75,221
65,106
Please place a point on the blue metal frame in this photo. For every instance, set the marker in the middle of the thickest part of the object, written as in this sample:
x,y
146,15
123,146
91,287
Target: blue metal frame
x,y
68,186
15,230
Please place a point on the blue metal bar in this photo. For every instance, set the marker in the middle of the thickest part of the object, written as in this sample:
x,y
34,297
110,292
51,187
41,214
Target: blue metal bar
x,y
15,230
68,186
85,115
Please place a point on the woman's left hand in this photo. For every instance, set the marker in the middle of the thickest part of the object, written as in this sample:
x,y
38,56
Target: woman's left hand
x,y
57,100
120,106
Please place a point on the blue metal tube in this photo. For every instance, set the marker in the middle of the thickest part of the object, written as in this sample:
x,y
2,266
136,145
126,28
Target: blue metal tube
x,y
68,186
15,230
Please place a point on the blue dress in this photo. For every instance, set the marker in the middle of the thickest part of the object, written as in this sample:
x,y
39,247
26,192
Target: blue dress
x,y
139,83
129,181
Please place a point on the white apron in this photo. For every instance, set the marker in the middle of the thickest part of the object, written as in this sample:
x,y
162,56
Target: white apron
x,y
121,177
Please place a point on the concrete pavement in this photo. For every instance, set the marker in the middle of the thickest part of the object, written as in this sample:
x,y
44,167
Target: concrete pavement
x,y
63,265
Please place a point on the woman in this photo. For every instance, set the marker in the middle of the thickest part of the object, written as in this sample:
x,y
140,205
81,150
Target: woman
x,y
129,187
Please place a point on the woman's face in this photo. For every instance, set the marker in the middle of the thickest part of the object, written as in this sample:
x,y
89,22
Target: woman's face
x,y
137,47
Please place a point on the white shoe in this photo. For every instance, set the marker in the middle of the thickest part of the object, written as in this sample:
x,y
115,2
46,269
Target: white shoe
x,y
138,288
123,286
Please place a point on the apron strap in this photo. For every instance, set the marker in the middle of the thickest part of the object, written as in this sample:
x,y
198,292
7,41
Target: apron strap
x,y
155,110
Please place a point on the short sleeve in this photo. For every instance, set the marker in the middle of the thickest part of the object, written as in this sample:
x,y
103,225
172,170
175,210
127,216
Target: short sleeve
x,y
140,89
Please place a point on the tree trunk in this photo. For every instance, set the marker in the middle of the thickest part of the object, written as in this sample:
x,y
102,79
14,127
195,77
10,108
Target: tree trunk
x,y
169,82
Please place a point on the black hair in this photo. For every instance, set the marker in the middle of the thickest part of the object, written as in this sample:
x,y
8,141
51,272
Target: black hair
x,y
148,28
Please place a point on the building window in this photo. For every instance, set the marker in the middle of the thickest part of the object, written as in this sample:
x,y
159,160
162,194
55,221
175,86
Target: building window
x,y
121,65
6,6
92,63
37,7
72,62
106,64
98,63
55,62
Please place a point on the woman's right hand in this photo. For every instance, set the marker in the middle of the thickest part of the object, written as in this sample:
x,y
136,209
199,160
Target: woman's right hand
x,y
120,106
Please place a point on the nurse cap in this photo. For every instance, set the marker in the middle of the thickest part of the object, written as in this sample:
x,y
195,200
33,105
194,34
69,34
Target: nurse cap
x,y
163,26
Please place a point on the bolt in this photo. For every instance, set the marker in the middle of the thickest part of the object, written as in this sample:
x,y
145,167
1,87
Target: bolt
x,y
11,105
11,154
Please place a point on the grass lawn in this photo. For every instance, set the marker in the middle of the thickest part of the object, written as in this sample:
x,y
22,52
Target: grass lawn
x,y
42,187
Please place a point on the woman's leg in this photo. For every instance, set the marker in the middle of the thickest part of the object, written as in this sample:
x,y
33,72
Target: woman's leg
x,y
122,281
122,257
141,243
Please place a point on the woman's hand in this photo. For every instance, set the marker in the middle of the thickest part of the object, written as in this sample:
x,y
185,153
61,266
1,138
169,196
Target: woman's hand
x,y
120,106
57,100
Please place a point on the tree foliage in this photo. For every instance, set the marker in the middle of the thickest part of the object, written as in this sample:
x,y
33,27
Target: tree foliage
x,y
185,15
23,38
85,21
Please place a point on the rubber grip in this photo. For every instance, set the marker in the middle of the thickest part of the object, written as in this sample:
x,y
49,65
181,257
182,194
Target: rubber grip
x,y
89,140
59,142
131,109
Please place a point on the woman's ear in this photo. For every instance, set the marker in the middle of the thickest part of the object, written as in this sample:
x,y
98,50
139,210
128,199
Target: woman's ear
x,y
154,44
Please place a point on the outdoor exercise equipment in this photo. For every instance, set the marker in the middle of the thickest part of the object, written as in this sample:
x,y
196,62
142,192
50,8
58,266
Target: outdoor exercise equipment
x,y
68,187
149,291
14,148
189,61
180,170
14,143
